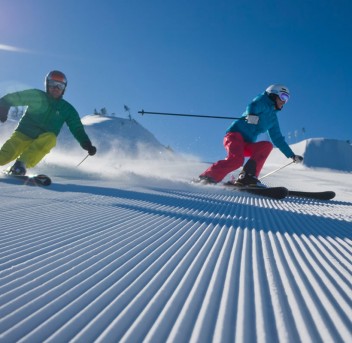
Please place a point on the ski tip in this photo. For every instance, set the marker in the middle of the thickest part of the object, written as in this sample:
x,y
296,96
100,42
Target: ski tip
x,y
329,195
325,195
42,179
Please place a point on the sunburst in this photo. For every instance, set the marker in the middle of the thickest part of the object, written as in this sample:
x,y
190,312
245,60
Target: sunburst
x,y
11,48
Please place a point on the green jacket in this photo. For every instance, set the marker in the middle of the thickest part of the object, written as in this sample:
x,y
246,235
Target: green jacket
x,y
45,114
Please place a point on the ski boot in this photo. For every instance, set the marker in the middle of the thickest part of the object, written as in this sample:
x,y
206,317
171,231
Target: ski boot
x,y
18,169
206,180
247,180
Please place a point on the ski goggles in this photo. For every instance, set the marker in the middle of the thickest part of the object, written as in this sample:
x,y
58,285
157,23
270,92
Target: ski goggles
x,y
56,84
284,96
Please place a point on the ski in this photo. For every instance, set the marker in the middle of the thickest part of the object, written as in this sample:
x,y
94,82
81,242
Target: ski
x,y
325,195
282,192
270,192
275,192
31,180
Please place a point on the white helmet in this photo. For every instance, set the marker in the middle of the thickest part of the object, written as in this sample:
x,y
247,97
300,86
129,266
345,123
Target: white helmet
x,y
280,90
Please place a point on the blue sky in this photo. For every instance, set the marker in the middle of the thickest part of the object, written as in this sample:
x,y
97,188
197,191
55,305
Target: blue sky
x,y
187,56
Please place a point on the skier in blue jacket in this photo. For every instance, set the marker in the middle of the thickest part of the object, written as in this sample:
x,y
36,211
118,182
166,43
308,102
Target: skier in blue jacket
x,y
240,139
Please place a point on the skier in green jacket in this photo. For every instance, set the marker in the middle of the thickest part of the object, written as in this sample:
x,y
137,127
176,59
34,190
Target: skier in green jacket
x,y
39,127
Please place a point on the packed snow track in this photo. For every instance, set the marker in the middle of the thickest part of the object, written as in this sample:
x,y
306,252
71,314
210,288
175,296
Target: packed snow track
x,y
98,262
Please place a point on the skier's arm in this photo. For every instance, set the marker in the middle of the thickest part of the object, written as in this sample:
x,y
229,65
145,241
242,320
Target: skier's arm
x,y
75,125
29,97
279,141
253,111
89,147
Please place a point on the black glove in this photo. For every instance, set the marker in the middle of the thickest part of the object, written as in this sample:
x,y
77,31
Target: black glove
x,y
297,158
3,113
89,147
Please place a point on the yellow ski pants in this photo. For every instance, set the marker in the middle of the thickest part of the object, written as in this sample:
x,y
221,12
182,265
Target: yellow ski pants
x,y
25,149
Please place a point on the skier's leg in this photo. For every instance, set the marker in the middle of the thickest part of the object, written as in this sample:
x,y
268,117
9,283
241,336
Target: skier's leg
x,y
234,145
38,149
258,153
13,147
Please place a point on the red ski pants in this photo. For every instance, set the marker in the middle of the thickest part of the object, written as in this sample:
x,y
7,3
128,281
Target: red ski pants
x,y
237,149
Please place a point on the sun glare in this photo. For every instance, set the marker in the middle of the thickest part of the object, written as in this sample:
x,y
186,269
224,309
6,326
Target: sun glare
x,y
10,48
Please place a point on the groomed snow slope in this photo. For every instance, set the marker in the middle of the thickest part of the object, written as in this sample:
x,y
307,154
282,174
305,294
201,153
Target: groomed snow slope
x,y
133,258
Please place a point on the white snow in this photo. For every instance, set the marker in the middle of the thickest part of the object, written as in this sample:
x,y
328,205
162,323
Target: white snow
x,y
125,249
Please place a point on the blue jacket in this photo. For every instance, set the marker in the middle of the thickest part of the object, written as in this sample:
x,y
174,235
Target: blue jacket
x,y
263,107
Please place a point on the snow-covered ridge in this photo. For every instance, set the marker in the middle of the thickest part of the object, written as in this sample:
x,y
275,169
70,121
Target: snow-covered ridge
x,y
125,137
338,154
320,153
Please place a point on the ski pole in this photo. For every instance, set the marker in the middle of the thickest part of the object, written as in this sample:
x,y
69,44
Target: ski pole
x,y
82,161
276,170
187,115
